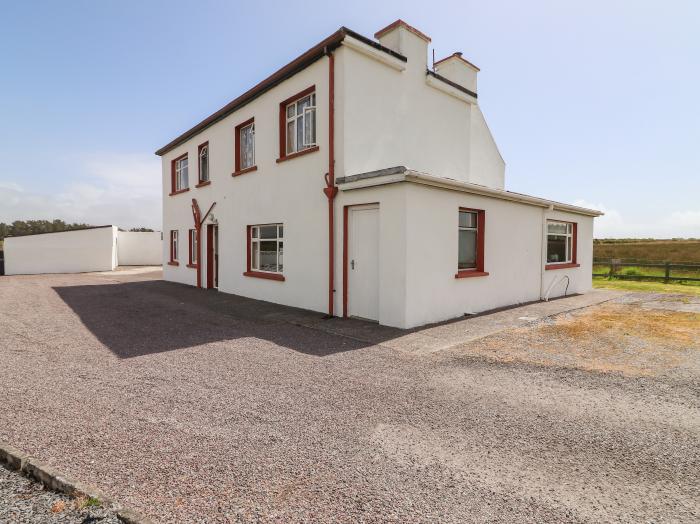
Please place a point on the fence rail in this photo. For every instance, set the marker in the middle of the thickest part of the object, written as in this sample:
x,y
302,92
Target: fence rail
x,y
662,271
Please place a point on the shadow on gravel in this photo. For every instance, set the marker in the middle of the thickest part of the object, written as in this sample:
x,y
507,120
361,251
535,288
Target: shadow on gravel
x,y
140,318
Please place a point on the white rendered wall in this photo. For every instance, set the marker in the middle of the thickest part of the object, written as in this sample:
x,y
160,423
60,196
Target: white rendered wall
x,y
139,248
65,252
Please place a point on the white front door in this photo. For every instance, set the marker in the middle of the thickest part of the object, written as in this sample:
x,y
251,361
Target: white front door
x,y
363,262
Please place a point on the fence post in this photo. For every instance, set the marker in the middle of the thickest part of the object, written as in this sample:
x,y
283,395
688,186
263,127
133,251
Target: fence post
x,y
613,266
668,272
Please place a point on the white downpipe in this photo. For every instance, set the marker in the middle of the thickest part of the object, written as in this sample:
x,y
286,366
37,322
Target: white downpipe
x,y
554,283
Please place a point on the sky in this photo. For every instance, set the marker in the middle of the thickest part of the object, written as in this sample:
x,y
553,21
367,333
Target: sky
x,y
595,103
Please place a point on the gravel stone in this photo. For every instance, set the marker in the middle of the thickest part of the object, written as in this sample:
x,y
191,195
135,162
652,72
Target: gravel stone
x,y
195,406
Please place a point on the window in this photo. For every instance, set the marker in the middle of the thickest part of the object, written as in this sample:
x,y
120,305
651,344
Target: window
x,y
266,251
173,247
561,244
180,181
298,124
193,247
245,147
203,156
470,249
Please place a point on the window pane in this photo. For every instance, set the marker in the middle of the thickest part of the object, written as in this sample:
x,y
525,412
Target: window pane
x,y
290,110
556,228
255,260
281,231
254,232
310,127
268,231
302,104
280,266
204,164
300,134
467,249
268,255
556,248
290,137
467,219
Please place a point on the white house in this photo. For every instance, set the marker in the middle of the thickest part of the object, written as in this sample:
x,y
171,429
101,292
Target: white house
x,y
357,181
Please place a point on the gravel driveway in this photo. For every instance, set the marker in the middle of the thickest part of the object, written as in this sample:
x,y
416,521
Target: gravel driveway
x,y
195,406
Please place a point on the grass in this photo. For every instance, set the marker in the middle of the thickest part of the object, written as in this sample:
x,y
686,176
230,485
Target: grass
x,y
88,502
677,251
648,271
648,287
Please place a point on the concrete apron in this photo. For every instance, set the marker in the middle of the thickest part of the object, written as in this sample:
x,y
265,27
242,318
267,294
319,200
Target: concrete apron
x,y
445,335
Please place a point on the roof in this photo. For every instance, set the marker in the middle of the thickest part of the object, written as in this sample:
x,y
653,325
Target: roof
x,y
293,67
398,174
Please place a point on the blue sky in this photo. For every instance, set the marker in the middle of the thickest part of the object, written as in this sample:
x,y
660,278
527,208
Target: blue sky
x,y
590,102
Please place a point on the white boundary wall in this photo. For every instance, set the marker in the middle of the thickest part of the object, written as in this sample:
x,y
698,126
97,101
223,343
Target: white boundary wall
x,y
136,248
65,252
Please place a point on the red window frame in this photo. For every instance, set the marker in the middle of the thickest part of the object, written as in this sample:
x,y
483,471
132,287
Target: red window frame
x,y
479,270
174,191
192,262
283,126
574,246
201,182
249,251
237,153
174,247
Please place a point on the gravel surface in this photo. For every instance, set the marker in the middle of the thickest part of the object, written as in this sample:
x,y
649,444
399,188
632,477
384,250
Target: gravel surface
x,y
25,501
196,406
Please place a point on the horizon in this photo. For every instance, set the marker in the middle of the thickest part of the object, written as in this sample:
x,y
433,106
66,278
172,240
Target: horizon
x,y
596,121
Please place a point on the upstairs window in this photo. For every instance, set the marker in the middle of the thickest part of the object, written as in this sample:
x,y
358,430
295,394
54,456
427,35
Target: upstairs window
x,y
470,250
245,147
561,243
180,178
298,123
203,155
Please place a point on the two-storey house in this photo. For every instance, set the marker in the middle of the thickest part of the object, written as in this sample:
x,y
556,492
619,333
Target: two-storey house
x,y
357,181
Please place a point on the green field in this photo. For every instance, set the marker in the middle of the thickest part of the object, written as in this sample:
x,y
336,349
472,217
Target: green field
x,y
682,251
648,287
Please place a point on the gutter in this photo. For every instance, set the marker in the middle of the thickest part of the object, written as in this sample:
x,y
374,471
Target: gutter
x,y
400,174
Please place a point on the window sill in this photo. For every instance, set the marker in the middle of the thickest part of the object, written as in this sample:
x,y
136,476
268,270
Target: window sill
x,y
560,266
297,154
261,274
202,184
173,263
193,266
471,273
244,171
179,191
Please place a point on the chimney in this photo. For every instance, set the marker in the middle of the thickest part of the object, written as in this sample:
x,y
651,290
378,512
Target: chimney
x,y
407,41
458,70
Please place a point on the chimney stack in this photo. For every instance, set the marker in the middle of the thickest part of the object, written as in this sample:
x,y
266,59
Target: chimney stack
x,y
458,70
407,41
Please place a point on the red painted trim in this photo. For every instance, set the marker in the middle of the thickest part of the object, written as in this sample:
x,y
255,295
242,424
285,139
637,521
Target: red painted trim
x,y
480,244
574,243
561,266
283,123
401,23
298,153
200,182
173,263
345,261
467,273
237,145
248,248
203,184
268,276
244,171
193,266
210,256
173,191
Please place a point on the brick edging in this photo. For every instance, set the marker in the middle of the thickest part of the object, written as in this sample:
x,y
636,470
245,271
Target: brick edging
x,y
15,460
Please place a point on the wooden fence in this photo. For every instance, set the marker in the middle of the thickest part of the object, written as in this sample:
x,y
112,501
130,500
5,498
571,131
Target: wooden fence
x,y
636,270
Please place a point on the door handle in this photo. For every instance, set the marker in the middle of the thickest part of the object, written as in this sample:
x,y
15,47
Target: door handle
x,y
352,264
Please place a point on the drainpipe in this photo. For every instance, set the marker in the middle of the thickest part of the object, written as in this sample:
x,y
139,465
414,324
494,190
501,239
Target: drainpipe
x,y
330,190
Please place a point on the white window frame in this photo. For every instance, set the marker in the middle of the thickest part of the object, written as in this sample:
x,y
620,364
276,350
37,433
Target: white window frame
x,y
569,241
182,173
203,151
242,157
255,241
174,245
306,119
193,242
